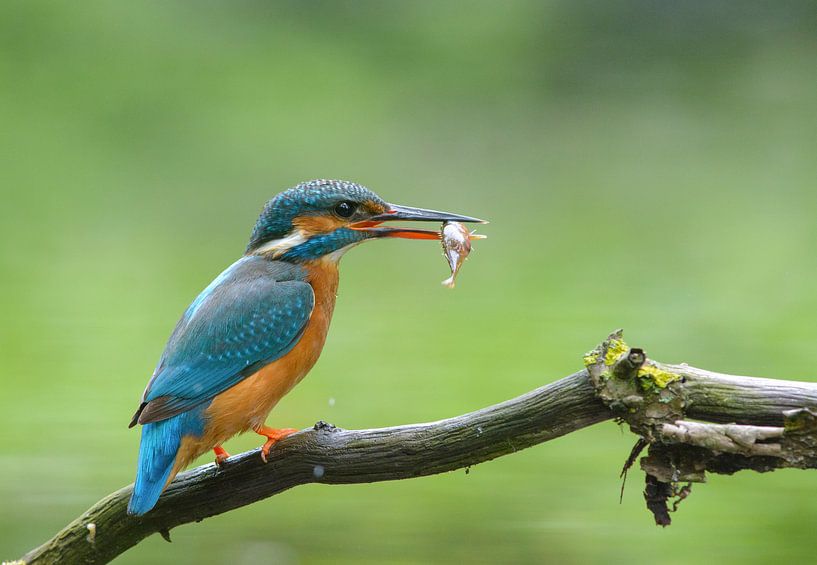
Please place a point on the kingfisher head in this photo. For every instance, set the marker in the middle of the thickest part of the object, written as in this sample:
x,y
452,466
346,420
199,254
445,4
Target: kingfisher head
x,y
324,218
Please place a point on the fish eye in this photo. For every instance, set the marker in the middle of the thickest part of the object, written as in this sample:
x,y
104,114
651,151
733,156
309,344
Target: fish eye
x,y
345,209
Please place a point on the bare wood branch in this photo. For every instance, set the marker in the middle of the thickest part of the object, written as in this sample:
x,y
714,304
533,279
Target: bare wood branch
x,y
624,384
727,399
333,456
726,438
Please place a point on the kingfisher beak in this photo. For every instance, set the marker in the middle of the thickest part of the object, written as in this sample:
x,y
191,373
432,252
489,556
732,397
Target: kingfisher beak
x,y
406,213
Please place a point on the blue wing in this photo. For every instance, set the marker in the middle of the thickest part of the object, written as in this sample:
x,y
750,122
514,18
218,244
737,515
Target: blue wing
x,y
252,314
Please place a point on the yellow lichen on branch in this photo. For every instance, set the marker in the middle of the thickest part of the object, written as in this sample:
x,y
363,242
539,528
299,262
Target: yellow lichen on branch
x,y
616,349
652,376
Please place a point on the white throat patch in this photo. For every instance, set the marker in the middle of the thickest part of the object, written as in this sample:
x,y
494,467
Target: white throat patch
x,y
335,256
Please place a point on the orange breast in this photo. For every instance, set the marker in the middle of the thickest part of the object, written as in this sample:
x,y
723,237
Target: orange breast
x,y
247,404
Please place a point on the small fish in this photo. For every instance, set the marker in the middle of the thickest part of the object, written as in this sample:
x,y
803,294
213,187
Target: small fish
x,y
456,242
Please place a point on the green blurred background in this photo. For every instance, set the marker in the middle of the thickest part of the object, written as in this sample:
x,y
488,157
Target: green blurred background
x,y
645,164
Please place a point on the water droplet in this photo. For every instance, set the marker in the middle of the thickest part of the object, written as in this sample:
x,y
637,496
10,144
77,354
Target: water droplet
x,y
331,402
318,470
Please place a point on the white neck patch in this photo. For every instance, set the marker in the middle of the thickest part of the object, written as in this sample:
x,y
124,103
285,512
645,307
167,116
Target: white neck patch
x,y
279,246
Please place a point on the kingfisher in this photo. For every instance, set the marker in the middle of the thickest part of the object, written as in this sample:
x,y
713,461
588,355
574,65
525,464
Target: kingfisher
x,y
258,328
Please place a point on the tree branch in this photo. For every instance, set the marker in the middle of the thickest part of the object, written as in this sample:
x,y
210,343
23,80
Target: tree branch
x,y
618,382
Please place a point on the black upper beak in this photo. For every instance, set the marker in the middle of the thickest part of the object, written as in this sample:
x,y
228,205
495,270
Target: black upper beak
x,y
407,213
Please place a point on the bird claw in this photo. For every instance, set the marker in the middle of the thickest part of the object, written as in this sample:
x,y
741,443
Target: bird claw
x,y
273,436
221,455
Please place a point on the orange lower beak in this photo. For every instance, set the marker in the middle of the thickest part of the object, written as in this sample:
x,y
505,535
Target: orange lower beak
x,y
404,233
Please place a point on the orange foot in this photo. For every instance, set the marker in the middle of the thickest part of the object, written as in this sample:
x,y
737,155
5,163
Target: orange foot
x,y
273,436
221,454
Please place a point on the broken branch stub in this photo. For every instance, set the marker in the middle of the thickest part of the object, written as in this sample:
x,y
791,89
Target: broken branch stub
x,y
653,399
639,391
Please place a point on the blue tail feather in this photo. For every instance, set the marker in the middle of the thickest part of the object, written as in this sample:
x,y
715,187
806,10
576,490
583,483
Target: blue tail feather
x,y
157,454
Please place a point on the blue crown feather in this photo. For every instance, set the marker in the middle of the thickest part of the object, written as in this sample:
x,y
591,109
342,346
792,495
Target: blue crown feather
x,y
311,197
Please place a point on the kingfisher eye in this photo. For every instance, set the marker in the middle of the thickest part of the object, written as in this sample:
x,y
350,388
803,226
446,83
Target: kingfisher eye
x,y
345,209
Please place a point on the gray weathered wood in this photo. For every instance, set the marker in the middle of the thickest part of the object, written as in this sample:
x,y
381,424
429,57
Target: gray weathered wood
x,y
727,399
332,456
